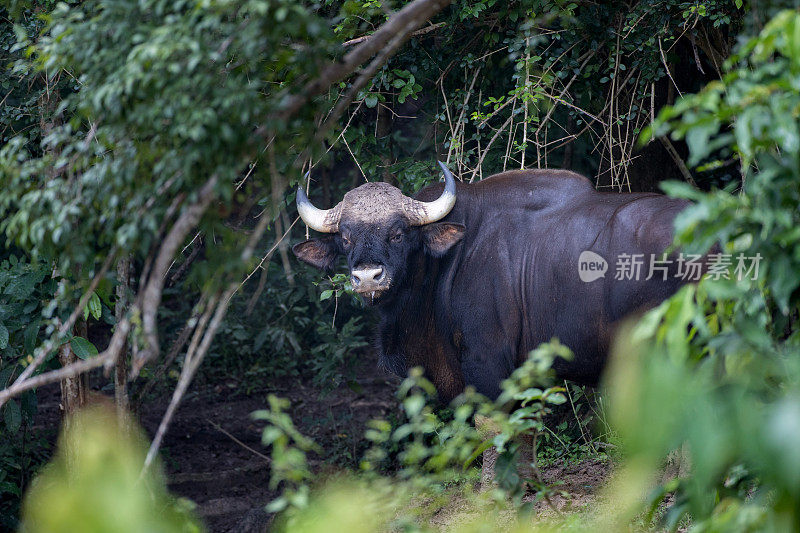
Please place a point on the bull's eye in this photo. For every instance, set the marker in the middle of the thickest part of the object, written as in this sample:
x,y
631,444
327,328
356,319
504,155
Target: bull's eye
x,y
346,241
397,236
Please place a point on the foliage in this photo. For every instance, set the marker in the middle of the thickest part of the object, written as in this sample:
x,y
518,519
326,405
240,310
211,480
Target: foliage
x,y
22,452
115,112
27,289
94,484
730,388
578,430
432,450
291,331
24,286
537,83
166,98
289,448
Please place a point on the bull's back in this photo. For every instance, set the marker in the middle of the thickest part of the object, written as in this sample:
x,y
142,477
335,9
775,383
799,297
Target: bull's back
x,y
516,281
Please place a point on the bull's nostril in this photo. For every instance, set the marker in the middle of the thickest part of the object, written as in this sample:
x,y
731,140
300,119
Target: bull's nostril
x,y
367,276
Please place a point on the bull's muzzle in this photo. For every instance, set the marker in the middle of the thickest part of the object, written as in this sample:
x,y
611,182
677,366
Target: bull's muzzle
x,y
369,279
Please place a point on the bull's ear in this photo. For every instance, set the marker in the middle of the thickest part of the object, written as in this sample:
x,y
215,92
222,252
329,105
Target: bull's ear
x,y
320,253
441,236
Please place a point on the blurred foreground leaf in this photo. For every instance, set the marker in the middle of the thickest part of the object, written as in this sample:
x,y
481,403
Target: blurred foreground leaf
x,y
93,484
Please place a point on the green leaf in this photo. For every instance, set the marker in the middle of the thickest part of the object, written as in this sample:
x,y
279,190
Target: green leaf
x,y
9,488
485,445
413,405
505,470
326,294
12,416
94,306
29,336
3,337
82,348
371,100
277,505
557,398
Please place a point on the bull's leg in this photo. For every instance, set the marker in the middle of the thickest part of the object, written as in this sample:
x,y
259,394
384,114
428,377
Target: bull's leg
x,y
525,459
487,430
487,470
677,465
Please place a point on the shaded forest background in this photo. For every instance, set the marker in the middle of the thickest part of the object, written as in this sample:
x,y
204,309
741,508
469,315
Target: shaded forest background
x,y
149,151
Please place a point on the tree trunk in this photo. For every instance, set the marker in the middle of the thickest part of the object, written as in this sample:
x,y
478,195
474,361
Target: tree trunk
x,y
121,367
281,222
73,390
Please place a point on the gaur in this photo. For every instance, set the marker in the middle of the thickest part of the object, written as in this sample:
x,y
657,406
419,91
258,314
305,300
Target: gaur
x,y
468,278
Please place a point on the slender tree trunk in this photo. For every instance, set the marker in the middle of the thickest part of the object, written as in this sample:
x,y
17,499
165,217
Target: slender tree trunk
x,y
73,390
325,181
383,129
282,223
121,398
566,163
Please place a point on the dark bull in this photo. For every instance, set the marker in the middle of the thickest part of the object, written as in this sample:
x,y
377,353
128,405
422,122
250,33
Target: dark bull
x,y
468,278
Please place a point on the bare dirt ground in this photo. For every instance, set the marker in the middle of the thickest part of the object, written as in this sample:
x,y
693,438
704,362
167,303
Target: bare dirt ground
x,y
213,453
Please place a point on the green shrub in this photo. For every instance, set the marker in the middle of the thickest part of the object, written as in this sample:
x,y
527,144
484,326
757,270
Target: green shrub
x,y
718,365
95,484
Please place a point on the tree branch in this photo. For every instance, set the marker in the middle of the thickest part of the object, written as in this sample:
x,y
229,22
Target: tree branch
x,y
174,350
399,26
105,358
150,297
66,327
673,153
421,31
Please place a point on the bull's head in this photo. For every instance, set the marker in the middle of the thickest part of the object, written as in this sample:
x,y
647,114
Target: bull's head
x,y
378,229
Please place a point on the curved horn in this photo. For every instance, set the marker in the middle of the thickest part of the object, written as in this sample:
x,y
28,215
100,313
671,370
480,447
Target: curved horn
x,y
427,212
322,220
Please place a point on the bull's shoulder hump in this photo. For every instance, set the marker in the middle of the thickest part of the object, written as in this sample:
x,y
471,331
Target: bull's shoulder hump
x,y
565,182
538,177
534,189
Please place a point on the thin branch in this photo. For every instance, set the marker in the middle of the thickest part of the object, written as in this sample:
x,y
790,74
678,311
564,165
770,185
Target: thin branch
x,y
186,263
673,153
151,295
588,56
268,256
237,441
190,366
489,145
402,35
666,67
421,31
173,352
343,138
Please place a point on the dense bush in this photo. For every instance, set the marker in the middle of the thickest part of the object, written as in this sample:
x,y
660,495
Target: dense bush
x,y
730,389
117,113
727,391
